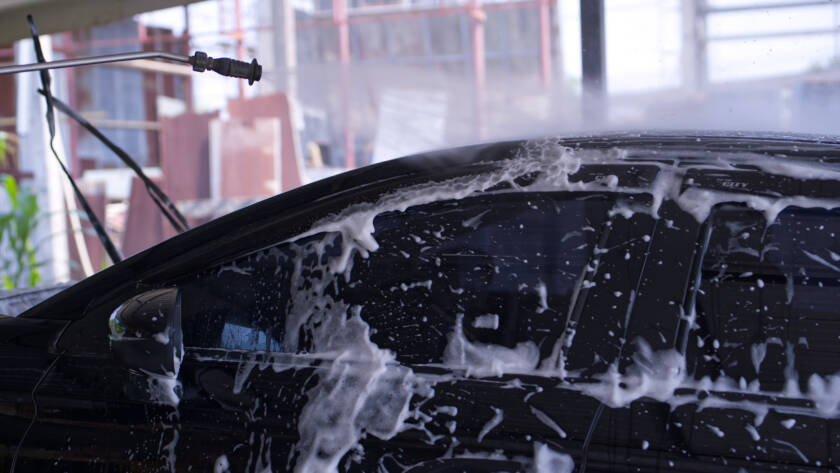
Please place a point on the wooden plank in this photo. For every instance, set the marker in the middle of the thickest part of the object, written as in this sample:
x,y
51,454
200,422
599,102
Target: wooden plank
x,y
185,156
278,106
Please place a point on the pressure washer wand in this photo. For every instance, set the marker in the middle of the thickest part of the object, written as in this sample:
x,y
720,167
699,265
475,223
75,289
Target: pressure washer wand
x,y
200,62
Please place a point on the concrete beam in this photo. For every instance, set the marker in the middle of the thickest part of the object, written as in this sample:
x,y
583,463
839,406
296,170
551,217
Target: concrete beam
x,y
54,16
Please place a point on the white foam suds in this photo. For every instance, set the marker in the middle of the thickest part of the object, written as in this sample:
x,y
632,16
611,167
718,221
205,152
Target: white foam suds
x,y
474,222
757,352
547,460
420,284
163,389
498,416
548,421
793,447
162,337
488,321
654,375
355,223
753,432
447,410
715,430
361,389
543,295
822,261
222,465
169,448
485,359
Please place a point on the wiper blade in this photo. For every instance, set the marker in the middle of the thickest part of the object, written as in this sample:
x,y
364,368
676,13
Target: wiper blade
x,y
156,193
112,251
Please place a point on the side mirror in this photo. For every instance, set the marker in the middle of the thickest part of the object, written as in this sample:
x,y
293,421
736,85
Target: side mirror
x,y
145,332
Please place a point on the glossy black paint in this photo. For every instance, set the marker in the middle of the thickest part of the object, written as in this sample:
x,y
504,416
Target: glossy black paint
x,y
95,414
27,348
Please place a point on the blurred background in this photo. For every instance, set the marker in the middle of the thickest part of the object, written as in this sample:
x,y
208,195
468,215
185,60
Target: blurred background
x,y
347,83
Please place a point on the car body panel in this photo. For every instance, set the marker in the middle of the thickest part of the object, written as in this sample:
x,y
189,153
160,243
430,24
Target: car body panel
x,y
27,348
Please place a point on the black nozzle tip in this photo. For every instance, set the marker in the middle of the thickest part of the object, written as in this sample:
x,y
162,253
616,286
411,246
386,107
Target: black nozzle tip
x,y
256,72
199,61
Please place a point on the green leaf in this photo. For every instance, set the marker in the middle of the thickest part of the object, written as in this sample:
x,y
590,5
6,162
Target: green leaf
x,y
4,156
10,184
16,227
34,277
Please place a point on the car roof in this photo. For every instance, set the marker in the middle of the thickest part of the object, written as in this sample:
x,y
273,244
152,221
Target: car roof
x,y
289,213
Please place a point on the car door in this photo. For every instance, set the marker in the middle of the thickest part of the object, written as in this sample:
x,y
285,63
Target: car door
x,y
27,349
496,300
304,356
94,412
452,327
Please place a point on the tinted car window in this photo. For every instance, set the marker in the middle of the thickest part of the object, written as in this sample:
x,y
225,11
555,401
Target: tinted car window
x,y
507,265
767,305
238,306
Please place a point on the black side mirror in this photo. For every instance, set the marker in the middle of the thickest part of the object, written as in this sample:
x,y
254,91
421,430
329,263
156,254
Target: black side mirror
x,y
145,332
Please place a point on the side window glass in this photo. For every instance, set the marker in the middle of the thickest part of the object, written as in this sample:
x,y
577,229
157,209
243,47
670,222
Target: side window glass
x,y
505,268
240,305
242,337
767,305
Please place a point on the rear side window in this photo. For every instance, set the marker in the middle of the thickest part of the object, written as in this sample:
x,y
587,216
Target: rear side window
x,y
769,299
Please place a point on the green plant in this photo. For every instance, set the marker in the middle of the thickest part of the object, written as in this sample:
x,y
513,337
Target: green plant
x,y
8,150
4,157
18,265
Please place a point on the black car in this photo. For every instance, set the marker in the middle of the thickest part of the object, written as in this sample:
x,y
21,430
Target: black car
x,y
621,303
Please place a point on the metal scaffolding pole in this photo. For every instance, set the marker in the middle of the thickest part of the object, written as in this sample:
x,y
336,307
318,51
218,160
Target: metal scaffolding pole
x,y
545,42
593,59
477,19
340,19
284,44
694,76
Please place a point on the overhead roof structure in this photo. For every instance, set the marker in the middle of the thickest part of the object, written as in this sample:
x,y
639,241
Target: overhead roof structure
x,y
54,16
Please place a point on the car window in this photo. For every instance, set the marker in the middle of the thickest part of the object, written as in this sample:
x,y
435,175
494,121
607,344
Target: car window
x,y
768,298
242,337
238,305
507,266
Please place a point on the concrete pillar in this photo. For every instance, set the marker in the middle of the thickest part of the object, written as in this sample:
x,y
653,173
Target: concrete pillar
x,y
693,48
544,11
281,55
343,26
559,70
477,20
50,236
